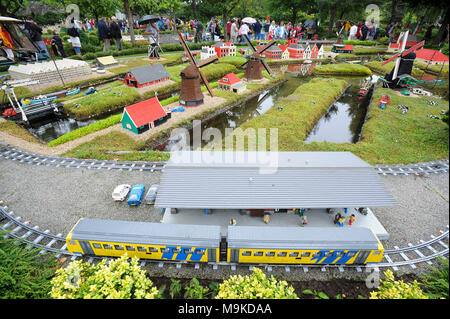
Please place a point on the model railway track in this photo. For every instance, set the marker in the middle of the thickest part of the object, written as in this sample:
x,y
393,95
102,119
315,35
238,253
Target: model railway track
x,y
14,154
38,159
45,242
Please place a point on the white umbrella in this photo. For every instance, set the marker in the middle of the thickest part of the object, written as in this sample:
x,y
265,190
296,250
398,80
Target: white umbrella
x,y
249,20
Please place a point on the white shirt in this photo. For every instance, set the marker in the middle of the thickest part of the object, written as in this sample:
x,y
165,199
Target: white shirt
x,y
353,29
234,30
244,29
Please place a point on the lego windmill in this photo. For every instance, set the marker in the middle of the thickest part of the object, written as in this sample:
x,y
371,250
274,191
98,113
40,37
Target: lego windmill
x,y
403,64
255,61
191,93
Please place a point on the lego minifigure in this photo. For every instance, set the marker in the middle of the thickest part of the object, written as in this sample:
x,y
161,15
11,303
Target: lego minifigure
x,y
351,219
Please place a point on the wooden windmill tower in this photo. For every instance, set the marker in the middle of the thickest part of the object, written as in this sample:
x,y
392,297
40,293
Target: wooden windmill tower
x,y
255,61
191,93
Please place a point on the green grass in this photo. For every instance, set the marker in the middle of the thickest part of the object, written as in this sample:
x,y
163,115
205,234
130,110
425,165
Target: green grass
x,y
377,67
237,61
368,51
301,110
115,141
11,128
141,61
435,281
342,69
101,102
433,68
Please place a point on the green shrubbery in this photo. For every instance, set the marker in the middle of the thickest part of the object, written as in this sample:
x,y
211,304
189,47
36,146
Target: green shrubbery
x,y
118,280
256,286
393,289
342,69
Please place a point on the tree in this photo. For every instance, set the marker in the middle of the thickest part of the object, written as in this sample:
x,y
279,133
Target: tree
x,y
11,8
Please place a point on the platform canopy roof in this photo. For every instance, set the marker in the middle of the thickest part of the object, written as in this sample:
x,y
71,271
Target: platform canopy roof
x,y
263,180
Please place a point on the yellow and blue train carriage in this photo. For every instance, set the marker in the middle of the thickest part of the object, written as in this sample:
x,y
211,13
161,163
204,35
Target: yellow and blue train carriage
x,y
298,245
184,243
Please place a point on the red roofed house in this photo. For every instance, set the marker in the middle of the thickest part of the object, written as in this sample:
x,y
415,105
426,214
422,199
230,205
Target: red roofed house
x,y
341,48
144,115
285,52
231,82
432,56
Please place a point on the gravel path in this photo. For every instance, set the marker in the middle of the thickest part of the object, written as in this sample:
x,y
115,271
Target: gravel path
x,y
55,198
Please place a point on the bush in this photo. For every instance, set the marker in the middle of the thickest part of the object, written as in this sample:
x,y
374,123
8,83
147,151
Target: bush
x,y
445,118
392,289
445,49
118,280
256,286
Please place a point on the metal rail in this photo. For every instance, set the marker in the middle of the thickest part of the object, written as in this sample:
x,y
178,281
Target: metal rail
x,y
434,167
46,242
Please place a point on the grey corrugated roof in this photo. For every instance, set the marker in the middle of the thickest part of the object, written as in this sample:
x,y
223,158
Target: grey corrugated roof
x,y
149,73
301,179
146,233
301,237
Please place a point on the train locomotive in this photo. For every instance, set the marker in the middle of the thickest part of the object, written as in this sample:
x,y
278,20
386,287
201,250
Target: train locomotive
x,y
242,245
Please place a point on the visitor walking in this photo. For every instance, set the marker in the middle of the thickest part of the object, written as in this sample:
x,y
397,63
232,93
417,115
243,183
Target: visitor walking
x,y
104,34
198,31
116,33
35,33
244,30
257,30
353,30
152,32
234,31
266,27
73,30
58,45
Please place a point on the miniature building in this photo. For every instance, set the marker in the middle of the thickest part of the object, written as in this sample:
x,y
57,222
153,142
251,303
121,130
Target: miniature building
x,y
106,61
307,54
285,52
230,183
314,52
231,82
342,48
207,52
273,53
431,56
296,51
320,51
225,49
146,75
46,72
144,115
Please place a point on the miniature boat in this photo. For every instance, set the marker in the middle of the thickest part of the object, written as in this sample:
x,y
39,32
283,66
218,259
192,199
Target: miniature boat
x,y
307,61
364,89
48,97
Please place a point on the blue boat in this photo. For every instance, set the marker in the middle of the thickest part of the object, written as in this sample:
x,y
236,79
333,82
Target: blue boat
x,y
48,97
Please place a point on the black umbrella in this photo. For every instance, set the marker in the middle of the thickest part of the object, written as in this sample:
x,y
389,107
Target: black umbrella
x,y
148,18
310,23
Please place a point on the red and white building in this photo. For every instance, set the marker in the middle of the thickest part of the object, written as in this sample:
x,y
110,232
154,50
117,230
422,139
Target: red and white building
x,y
231,82
431,56
225,49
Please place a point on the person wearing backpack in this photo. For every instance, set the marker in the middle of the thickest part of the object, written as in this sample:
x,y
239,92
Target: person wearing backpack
x,y
35,33
74,33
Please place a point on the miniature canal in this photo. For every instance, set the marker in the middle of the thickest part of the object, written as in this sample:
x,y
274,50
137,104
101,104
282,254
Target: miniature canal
x,y
341,124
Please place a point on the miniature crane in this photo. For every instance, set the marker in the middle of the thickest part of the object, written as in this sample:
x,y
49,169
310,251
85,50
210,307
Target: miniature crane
x,y
254,61
190,92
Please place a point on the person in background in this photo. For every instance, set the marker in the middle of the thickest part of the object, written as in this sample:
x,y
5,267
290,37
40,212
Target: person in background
x,y
347,27
265,28
229,23
152,32
103,34
391,33
217,32
116,34
198,31
352,33
35,33
73,30
57,44
272,29
257,29
88,25
244,30
234,31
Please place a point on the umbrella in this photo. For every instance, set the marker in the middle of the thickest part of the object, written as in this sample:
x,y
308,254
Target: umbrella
x,y
310,23
249,20
148,18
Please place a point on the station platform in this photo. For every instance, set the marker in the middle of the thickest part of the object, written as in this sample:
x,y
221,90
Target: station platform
x,y
315,217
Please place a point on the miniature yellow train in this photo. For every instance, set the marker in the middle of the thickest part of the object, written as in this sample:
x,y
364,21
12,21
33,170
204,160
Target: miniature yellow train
x,y
240,244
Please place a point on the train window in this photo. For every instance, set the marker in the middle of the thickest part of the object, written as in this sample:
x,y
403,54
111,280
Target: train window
x,y
351,254
376,252
246,253
259,253
165,250
306,254
152,249
282,254
318,254
118,247
293,254
329,254
72,242
340,254
199,251
187,251
97,246
106,246
270,254
176,251
140,248
130,248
